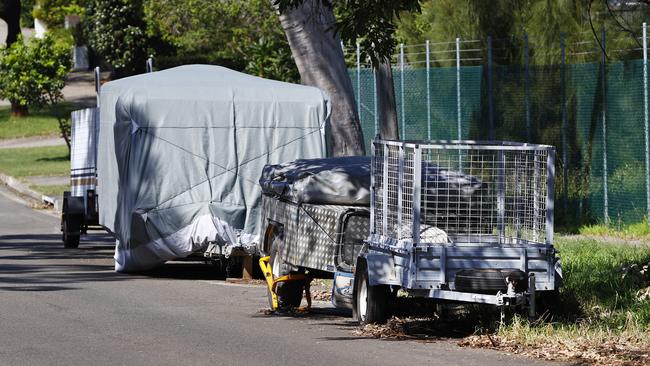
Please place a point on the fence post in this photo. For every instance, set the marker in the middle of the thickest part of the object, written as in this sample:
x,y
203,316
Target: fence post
x,y
458,108
645,120
460,136
527,90
401,86
374,74
604,123
359,81
428,59
565,169
490,93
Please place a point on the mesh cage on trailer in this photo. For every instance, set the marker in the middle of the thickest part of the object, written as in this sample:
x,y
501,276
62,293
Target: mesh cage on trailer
x,y
462,192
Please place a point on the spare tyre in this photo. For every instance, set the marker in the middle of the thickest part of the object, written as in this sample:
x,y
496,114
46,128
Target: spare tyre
x,y
489,281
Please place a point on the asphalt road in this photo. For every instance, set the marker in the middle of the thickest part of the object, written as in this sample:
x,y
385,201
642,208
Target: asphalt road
x,y
68,307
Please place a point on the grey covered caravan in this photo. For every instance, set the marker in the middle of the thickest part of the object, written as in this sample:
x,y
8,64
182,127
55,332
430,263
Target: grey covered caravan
x,y
181,152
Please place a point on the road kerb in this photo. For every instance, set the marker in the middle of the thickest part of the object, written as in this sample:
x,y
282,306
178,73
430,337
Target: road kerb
x,y
18,187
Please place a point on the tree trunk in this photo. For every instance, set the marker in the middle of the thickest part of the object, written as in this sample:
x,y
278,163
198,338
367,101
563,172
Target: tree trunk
x,y
18,110
11,14
64,128
388,128
317,52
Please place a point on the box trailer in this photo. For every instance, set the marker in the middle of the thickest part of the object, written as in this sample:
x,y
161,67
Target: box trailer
x,y
454,221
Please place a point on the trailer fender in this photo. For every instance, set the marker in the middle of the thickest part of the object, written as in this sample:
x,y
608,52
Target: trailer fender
x,y
381,270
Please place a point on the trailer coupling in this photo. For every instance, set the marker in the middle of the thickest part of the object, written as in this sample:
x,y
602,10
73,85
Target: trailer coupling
x,y
273,283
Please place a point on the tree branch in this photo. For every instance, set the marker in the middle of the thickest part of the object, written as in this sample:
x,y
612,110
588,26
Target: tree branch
x,y
593,30
623,28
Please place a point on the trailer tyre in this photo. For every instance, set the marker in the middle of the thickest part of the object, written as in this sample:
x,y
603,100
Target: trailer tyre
x,y
289,293
370,302
70,224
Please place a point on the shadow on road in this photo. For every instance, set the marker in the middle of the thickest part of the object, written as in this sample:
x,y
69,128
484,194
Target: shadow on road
x,y
40,263
49,246
196,270
32,262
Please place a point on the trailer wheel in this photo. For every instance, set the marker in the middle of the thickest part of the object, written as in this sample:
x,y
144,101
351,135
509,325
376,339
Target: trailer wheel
x,y
370,302
70,224
289,293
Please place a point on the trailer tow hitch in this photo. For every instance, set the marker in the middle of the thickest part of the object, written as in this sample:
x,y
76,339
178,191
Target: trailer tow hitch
x,y
273,284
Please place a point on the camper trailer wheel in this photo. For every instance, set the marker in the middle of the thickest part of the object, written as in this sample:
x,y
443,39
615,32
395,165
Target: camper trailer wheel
x,y
70,227
289,293
370,302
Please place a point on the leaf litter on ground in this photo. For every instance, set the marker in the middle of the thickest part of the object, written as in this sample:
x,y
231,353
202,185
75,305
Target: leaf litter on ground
x,y
582,349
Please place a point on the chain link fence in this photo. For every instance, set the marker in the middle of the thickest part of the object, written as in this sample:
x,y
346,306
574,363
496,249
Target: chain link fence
x,y
592,104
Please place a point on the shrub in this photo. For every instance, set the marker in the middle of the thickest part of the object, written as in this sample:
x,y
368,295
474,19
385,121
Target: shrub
x,y
242,35
116,30
33,74
53,12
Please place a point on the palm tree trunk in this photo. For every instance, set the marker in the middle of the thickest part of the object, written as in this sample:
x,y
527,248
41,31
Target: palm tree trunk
x,y
317,52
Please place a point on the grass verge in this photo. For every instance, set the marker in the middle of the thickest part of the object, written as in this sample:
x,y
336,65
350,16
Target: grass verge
x,y
52,190
603,315
637,231
40,122
42,161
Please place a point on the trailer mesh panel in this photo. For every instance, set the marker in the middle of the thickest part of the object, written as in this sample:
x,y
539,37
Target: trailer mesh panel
x,y
475,192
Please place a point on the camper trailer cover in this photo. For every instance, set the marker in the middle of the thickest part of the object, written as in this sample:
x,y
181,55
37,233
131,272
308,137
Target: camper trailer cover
x,y
328,181
181,152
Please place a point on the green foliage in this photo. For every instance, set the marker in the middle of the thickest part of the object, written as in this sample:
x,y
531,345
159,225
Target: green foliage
x,y
244,35
53,12
116,30
508,20
33,74
26,17
270,58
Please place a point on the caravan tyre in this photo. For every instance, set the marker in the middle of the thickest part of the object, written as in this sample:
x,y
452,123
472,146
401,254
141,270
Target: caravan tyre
x,y
70,224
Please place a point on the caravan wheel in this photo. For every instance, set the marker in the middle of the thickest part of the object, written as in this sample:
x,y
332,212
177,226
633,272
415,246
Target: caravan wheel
x,y
70,224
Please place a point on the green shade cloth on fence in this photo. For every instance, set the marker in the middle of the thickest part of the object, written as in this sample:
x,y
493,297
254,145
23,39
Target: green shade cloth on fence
x,y
528,107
